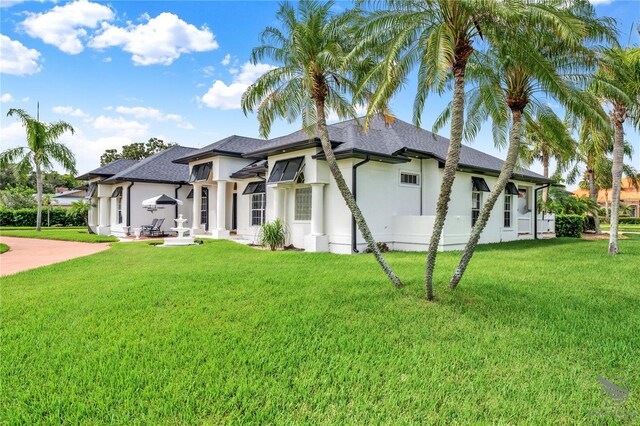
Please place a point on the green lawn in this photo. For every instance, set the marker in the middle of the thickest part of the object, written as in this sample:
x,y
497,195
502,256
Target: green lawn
x,y
622,227
223,333
3,248
65,234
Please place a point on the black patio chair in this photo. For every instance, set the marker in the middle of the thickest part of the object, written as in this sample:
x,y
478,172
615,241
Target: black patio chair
x,y
156,231
146,229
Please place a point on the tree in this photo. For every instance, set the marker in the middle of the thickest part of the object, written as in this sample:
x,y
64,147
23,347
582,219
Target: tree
x,y
317,72
47,201
19,197
41,152
508,80
438,36
135,151
618,83
81,208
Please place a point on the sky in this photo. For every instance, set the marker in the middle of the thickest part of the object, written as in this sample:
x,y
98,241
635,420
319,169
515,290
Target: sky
x,y
125,71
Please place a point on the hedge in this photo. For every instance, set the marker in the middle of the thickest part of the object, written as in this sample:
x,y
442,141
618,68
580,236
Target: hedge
x,y
27,217
569,225
629,221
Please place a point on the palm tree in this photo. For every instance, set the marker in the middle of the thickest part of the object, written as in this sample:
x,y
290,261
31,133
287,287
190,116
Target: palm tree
x,y
316,73
438,36
41,152
47,201
81,208
618,83
508,80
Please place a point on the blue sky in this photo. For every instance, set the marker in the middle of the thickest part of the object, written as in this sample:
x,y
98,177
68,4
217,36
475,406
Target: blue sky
x,y
125,71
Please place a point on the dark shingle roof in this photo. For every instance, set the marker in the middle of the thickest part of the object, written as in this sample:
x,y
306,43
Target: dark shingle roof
x,y
110,169
392,141
159,168
233,145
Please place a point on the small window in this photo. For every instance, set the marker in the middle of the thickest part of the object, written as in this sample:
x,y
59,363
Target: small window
x,y
287,170
508,202
258,203
476,204
119,208
255,188
409,179
200,172
479,184
511,188
91,190
117,192
303,204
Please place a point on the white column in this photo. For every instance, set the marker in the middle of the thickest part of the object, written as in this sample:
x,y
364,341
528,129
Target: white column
x,y
278,201
221,211
197,205
317,209
104,207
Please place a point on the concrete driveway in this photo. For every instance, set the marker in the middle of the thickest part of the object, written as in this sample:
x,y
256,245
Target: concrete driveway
x,y
29,253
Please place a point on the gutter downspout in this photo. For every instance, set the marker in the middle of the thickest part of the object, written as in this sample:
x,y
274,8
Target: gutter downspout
x,y
421,185
180,186
354,191
129,204
535,209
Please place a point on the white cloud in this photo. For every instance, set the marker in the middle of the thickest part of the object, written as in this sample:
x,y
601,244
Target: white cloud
x,y
64,26
120,127
223,96
70,111
226,60
208,70
596,2
17,59
107,59
153,114
161,40
25,99
13,135
6,97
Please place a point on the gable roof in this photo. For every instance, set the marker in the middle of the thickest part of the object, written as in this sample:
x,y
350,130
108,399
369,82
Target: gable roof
x,y
108,170
233,146
159,168
394,143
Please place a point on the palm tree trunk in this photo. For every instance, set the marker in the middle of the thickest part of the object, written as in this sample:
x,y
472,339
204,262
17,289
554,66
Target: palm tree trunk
x,y
38,196
449,174
606,206
545,173
348,196
485,213
593,193
619,113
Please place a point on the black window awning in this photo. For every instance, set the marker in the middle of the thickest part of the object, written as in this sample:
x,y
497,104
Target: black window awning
x,y
479,184
511,189
91,190
255,188
200,172
117,192
286,170
190,194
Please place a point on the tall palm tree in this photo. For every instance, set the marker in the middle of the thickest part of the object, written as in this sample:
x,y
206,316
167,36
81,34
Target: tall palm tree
x,y
618,83
438,37
316,73
508,80
42,150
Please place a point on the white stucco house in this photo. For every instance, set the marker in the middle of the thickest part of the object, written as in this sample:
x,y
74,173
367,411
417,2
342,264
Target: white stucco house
x,y
395,172
116,192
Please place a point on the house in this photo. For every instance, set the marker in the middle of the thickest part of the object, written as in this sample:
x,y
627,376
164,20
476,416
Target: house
x,y
67,197
394,170
116,192
629,196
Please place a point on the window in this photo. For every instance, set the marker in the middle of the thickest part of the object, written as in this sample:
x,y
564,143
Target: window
x,y
409,179
117,192
204,208
287,170
119,207
255,188
511,189
258,202
508,202
303,204
200,172
476,203
480,184
91,190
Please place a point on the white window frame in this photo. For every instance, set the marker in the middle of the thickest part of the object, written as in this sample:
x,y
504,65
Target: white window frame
x,y
260,210
508,202
473,206
410,185
119,210
296,212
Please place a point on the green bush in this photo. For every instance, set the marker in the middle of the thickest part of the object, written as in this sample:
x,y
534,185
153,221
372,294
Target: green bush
x,y
569,225
629,221
27,217
273,234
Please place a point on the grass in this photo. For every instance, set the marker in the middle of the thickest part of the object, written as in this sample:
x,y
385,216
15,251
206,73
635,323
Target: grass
x,y
65,234
222,333
3,248
622,227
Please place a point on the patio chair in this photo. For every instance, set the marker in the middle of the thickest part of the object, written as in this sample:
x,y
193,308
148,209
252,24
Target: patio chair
x,y
156,231
146,229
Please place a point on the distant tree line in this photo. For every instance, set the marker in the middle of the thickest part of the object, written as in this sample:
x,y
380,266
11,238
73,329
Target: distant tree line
x,y
135,151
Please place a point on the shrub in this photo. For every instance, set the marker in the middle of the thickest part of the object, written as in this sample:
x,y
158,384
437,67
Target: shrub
x,y
27,217
589,223
273,234
569,225
383,247
629,221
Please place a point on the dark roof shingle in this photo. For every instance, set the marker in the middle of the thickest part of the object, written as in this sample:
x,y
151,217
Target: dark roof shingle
x,y
159,168
110,169
233,145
